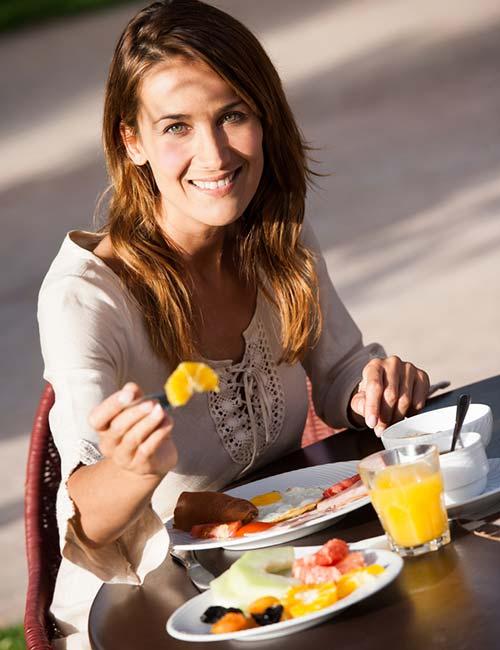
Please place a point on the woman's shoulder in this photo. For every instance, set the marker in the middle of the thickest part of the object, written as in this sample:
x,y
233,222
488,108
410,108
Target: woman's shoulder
x,y
80,288
76,270
83,309
308,236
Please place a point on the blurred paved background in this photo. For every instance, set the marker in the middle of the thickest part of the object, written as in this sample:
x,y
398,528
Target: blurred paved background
x,y
403,105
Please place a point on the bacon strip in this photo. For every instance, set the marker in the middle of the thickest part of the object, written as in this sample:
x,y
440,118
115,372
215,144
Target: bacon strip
x,y
340,499
340,486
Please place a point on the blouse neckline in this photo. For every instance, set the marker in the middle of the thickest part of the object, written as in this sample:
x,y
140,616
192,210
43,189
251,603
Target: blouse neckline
x,y
85,242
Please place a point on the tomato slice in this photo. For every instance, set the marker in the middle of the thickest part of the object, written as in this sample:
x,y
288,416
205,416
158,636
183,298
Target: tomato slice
x,y
253,527
216,531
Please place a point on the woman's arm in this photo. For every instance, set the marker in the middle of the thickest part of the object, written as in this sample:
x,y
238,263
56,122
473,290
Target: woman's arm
x,y
353,383
88,333
138,451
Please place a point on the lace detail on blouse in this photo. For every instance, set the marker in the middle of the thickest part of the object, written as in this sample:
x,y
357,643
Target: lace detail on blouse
x,y
88,452
249,410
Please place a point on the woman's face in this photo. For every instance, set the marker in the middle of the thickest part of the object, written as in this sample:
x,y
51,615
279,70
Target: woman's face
x,y
204,145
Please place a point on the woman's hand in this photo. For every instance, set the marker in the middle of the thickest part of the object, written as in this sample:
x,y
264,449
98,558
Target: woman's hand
x,y
137,439
390,389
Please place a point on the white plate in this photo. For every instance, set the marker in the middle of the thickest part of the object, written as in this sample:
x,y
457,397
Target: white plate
x,y
185,622
317,476
490,496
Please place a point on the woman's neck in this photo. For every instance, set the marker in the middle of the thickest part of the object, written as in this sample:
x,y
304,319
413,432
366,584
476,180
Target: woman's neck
x,y
206,250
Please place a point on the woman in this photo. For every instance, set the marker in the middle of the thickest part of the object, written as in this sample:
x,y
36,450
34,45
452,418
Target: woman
x,y
205,255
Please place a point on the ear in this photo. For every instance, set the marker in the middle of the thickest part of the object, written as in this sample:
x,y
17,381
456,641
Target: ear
x,y
133,145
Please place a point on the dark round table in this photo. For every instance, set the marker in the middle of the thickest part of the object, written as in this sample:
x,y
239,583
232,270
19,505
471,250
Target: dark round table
x,y
447,599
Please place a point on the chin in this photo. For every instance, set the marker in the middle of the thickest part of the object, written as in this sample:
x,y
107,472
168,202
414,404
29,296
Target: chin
x,y
219,220
218,217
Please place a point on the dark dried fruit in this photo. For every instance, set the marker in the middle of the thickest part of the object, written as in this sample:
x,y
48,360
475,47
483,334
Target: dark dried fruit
x,y
216,612
269,616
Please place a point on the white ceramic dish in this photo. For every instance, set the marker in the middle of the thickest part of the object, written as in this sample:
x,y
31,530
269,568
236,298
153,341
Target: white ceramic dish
x,y
317,476
438,427
489,497
185,622
465,470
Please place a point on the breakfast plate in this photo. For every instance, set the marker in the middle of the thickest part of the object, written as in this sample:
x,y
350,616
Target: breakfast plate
x,y
308,477
185,623
489,497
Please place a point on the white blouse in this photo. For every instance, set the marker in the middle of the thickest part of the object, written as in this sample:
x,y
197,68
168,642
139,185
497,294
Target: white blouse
x,y
93,341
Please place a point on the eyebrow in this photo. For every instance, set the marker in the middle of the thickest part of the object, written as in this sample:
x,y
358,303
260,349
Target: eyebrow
x,y
184,116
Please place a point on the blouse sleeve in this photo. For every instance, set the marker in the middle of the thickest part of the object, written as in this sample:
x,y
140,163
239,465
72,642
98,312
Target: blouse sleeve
x,y
83,341
335,364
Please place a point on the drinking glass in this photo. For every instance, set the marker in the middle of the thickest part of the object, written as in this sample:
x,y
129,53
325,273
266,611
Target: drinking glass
x,y
406,489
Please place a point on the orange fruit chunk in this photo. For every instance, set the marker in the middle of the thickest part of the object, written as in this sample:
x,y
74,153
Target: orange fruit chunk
x,y
231,622
349,582
188,378
305,599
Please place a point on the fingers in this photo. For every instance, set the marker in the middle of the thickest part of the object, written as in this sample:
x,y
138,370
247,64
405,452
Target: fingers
x,y
102,415
374,386
420,389
124,421
135,437
390,390
405,400
392,376
152,444
358,403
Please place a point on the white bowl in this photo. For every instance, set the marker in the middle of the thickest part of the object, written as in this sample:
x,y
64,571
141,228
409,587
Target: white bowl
x,y
465,470
436,427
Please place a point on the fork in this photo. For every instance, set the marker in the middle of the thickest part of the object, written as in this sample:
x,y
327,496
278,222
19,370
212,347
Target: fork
x,y
199,576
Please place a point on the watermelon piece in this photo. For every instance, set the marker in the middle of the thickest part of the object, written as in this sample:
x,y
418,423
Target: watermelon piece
x,y
216,531
354,560
312,574
328,564
332,552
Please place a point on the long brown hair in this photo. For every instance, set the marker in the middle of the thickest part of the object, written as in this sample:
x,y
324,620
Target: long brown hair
x,y
267,247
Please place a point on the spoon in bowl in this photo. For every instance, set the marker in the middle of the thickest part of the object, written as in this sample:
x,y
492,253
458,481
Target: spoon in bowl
x,y
463,403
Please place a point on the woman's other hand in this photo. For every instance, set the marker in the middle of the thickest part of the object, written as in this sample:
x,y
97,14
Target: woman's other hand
x,y
137,438
390,390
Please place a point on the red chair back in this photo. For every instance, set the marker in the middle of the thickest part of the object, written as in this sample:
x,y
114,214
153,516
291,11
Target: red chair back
x,y
43,475
315,429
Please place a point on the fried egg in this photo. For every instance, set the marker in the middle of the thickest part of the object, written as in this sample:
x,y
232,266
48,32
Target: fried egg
x,y
279,506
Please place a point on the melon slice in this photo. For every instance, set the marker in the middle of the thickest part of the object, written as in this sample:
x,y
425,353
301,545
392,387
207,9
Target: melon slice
x,y
253,576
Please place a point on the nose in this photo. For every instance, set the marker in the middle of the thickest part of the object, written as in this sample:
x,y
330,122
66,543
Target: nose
x,y
212,149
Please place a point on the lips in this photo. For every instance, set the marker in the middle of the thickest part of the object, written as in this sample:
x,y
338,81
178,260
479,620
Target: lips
x,y
220,183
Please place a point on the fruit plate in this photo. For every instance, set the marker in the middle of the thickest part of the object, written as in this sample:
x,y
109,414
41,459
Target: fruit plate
x,y
185,623
316,476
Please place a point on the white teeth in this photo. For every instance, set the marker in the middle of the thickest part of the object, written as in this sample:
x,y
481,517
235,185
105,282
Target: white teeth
x,y
213,185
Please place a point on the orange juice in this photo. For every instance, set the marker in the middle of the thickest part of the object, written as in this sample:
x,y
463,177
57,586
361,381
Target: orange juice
x,y
410,504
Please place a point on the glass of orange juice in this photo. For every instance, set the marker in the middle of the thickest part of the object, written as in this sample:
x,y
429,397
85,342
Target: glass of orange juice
x,y
406,489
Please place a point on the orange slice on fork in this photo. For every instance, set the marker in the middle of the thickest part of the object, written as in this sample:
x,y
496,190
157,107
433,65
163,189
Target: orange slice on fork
x,y
188,378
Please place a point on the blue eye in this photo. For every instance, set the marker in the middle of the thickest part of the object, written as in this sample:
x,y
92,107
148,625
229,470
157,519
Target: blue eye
x,y
234,116
175,129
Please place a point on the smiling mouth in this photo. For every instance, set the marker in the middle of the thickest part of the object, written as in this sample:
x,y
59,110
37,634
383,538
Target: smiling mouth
x,y
216,185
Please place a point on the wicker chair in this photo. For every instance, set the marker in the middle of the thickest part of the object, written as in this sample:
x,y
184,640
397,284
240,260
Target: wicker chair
x,y
43,475
315,429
